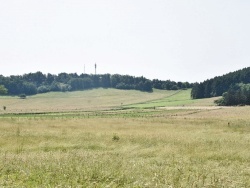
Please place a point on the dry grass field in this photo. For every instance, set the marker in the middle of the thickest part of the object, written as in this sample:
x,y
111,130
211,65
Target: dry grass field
x,y
139,147
96,99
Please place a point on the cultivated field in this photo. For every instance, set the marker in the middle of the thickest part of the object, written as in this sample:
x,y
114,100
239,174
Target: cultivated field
x,y
189,144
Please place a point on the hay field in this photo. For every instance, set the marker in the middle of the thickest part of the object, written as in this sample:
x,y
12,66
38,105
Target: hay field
x,y
99,99
189,147
96,99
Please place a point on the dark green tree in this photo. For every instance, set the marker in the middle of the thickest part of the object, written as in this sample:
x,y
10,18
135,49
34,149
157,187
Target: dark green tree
x,y
238,94
3,90
29,88
221,84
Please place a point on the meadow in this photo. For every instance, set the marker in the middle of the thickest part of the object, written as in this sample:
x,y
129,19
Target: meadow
x,y
96,99
76,144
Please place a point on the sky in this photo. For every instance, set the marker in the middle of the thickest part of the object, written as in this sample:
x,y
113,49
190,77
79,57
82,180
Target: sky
x,y
180,40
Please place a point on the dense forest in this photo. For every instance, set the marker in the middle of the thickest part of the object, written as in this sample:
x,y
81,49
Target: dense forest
x,y
33,83
238,94
234,87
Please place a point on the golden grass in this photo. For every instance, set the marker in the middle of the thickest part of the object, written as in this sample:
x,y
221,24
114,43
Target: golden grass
x,y
156,148
96,99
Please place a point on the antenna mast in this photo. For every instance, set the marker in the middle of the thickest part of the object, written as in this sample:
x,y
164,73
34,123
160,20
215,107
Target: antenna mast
x,y
95,68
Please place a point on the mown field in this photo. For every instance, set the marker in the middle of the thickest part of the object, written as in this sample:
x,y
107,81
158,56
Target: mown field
x,y
117,146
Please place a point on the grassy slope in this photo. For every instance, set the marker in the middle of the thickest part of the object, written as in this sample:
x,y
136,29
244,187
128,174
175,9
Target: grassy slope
x,y
179,98
96,99
99,99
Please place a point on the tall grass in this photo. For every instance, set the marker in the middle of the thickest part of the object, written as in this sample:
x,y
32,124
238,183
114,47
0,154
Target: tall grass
x,y
186,148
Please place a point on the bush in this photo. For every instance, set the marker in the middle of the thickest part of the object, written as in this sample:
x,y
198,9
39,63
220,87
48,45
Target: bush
x,y
115,138
22,96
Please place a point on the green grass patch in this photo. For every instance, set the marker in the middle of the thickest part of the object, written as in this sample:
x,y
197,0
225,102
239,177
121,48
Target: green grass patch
x,y
177,98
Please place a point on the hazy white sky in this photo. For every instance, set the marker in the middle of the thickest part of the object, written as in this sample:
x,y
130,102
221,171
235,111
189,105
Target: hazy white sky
x,y
181,40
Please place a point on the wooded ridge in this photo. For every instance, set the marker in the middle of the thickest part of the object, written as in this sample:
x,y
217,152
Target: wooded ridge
x,y
33,83
234,87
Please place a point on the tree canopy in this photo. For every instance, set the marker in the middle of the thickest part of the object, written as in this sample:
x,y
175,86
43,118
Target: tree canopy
x,y
33,83
218,85
238,94
3,90
234,88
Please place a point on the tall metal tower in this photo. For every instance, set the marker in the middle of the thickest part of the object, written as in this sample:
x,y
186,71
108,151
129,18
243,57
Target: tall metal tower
x,y
95,68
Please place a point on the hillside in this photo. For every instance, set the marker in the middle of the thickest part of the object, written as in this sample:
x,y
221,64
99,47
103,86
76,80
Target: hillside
x,y
96,99
34,83
99,99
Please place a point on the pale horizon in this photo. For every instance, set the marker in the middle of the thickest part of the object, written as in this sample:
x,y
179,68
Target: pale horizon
x,y
168,40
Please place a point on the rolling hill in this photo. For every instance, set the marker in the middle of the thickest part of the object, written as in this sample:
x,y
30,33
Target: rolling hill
x,y
99,99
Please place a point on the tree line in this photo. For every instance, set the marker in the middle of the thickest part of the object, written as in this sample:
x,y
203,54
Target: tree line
x,y
217,86
33,83
231,84
238,94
